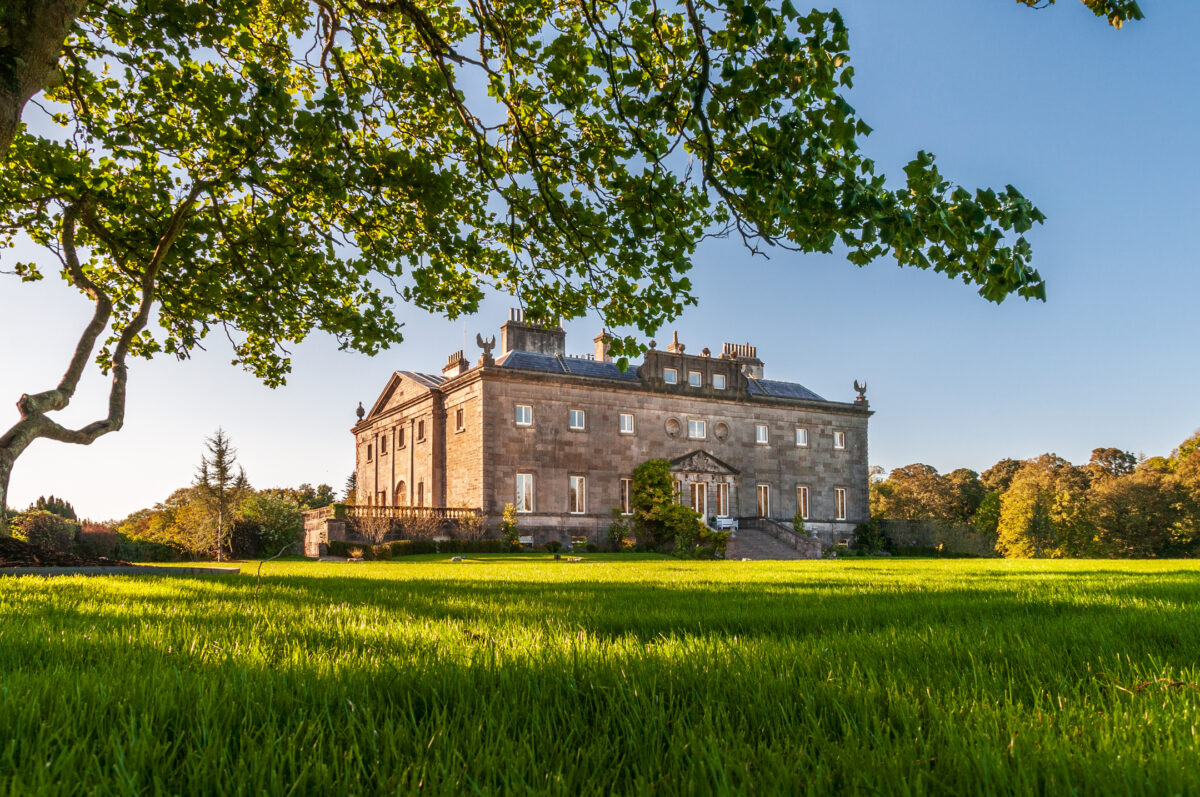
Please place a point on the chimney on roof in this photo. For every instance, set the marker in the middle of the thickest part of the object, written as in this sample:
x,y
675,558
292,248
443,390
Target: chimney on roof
x,y
517,335
676,347
747,357
601,342
455,365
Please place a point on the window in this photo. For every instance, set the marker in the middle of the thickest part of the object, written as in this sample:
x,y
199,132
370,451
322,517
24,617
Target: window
x,y
368,452
420,430
760,434
400,437
459,423
839,439
718,381
382,444
626,496
524,492
670,376
697,430
802,501
577,495
801,436
764,500
626,423
524,415
695,379
839,503
420,493
678,491
577,419
381,498
722,499
699,496
401,494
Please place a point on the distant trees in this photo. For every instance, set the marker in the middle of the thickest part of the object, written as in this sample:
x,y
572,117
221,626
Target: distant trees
x,y
219,488
1114,506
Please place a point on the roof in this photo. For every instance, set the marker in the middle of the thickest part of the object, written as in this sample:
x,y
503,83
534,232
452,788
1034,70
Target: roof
x,y
554,364
426,380
581,366
773,387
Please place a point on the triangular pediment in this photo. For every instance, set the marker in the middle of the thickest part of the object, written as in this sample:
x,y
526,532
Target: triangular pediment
x,y
702,462
401,387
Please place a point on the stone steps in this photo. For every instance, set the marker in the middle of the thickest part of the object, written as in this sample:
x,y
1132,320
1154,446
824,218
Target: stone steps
x,y
760,545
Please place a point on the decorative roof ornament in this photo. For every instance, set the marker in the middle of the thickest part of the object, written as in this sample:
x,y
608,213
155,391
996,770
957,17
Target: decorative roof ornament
x,y
360,412
862,392
486,345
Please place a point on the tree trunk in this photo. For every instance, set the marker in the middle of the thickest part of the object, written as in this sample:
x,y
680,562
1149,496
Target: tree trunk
x,y
32,33
6,464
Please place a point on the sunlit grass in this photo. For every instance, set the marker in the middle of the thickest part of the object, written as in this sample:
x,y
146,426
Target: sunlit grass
x,y
626,674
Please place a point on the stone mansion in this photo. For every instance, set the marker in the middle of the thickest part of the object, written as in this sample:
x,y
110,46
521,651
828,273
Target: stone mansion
x,y
559,436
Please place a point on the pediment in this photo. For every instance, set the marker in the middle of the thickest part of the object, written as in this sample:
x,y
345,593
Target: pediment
x,y
702,462
401,387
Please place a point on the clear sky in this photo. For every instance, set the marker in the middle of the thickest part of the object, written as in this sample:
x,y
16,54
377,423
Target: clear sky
x,y
1098,127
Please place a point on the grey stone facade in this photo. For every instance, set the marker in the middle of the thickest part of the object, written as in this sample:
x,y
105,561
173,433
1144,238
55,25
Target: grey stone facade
x,y
458,439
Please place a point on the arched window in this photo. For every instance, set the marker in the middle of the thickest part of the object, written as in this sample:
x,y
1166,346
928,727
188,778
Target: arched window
x,y
401,493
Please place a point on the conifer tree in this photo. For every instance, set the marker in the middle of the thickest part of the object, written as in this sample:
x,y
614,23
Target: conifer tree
x,y
219,487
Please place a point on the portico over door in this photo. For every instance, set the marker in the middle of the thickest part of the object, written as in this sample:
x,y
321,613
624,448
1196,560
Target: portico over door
x,y
710,483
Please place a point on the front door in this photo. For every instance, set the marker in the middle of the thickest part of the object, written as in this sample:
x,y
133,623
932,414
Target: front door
x,y
700,498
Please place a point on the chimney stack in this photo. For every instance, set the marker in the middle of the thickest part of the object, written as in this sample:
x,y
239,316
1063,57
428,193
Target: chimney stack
x,y
517,335
747,355
601,342
455,365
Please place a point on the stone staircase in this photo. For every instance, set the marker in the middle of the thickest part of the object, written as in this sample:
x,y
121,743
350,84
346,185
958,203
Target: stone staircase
x,y
761,538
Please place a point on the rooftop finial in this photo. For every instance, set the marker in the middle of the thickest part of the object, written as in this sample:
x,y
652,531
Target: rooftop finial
x,y
676,347
360,412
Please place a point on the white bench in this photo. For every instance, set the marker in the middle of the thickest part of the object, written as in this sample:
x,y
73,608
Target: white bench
x,y
726,523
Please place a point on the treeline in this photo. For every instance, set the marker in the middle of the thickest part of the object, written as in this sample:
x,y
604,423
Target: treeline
x,y
1116,505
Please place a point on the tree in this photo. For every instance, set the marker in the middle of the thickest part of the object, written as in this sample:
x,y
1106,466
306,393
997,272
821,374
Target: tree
x,y
351,494
998,477
1109,463
652,489
276,519
1044,510
1137,514
219,487
916,492
966,493
56,505
268,170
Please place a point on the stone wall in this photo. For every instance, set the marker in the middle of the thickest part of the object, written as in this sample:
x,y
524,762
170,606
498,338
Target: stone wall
x,y
955,538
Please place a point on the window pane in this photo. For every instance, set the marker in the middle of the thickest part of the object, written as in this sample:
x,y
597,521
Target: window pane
x,y
723,500
694,378
626,423
719,381
626,495
801,436
670,376
760,433
802,501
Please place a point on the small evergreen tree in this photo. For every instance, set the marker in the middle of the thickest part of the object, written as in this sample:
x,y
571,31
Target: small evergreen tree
x,y
352,488
56,506
508,525
219,487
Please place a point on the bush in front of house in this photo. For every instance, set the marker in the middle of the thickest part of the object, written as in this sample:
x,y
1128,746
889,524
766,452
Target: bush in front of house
x,y
391,550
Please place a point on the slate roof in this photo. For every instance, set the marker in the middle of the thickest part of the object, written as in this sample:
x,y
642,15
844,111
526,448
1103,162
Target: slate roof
x,y
551,363
427,380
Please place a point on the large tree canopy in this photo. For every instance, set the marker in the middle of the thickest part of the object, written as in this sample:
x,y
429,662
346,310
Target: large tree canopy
x,y
267,169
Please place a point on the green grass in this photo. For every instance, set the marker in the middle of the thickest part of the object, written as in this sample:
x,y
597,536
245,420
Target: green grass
x,y
618,674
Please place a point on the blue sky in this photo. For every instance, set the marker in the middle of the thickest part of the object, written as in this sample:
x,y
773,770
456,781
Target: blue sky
x,y
1097,127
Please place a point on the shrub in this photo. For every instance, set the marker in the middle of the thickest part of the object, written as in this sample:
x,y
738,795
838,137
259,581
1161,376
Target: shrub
x,y
40,527
798,523
508,525
869,537
618,530
592,547
147,551
554,546
97,540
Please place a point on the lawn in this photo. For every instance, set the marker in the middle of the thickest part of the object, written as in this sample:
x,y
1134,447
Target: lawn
x,y
616,674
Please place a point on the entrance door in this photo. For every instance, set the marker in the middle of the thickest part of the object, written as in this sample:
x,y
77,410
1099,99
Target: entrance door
x,y
700,498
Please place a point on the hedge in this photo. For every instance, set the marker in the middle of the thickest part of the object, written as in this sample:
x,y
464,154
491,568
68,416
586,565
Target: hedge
x,y
414,547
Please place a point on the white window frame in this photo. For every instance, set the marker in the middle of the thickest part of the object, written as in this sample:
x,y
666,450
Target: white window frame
x,y
621,423
528,412
460,420
671,376
582,420
839,503
802,500
701,426
699,490
762,434
578,485
695,379
679,491
718,381
722,499
626,489
762,494
526,506
801,437
839,440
